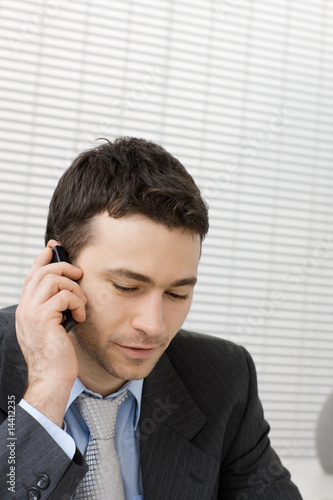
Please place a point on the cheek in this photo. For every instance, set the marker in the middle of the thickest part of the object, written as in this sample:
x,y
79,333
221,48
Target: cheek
x,y
100,302
99,297
175,314
104,312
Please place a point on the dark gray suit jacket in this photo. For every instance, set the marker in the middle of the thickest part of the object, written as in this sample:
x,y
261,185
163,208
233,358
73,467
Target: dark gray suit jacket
x,y
203,435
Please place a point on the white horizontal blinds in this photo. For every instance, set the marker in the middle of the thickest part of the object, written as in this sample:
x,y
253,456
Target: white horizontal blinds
x,y
240,91
31,137
267,271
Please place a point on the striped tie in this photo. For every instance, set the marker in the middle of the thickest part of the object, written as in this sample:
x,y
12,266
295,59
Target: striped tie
x,y
103,479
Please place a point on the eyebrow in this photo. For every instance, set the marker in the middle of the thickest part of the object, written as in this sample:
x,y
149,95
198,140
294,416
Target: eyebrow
x,y
122,272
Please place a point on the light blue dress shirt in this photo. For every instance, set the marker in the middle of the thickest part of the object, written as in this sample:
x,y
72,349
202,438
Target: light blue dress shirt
x,y
127,438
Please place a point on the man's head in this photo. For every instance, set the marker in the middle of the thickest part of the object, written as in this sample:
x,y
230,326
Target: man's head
x,y
133,220
128,176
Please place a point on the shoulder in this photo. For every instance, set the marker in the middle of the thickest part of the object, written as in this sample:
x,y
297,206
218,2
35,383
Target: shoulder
x,y
13,371
203,347
7,321
9,348
204,360
7,316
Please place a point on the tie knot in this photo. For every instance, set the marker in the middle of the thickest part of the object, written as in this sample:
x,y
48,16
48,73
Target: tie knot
x,y
100,415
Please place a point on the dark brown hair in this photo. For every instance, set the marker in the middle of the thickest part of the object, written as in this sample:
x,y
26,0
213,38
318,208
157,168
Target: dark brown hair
x,y
127,176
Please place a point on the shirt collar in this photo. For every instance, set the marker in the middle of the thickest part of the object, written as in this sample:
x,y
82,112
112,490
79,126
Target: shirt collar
x,y
134,387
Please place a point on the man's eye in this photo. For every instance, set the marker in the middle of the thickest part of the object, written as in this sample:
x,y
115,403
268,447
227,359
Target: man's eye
x,y
175,296
123,289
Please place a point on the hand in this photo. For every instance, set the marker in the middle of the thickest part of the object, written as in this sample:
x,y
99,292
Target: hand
x,y
52,364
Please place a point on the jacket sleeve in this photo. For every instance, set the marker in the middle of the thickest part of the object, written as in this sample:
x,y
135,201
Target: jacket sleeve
x,y
251,470
32,465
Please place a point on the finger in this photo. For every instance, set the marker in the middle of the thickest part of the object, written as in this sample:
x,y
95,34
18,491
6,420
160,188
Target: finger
x,y
53,284
36,276
63,269
67,300
43,258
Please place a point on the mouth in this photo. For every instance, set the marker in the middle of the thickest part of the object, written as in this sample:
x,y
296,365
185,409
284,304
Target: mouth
x,y
137,352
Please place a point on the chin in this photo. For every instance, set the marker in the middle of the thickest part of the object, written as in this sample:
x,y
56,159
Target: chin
x,y
136,371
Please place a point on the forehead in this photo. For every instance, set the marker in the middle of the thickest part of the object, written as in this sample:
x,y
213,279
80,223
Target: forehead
x,y
144,246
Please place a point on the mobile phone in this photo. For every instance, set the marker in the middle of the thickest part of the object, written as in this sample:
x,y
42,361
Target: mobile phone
x,y
59,254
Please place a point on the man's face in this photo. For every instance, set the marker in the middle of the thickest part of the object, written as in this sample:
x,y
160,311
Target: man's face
x,y
138,277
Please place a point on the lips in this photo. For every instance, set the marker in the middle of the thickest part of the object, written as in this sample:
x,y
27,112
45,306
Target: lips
x,y
137,351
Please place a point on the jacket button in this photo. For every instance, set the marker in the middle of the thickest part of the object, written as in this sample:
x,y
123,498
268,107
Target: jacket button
x,y
33,494
43,481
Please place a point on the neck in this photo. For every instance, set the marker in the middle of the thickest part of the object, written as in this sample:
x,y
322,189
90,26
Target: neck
x,y
105,387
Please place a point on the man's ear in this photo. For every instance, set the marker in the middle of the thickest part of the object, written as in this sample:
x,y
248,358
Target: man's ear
x,y
52,243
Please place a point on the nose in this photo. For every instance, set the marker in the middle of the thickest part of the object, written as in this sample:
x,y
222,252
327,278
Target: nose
x,y
149,316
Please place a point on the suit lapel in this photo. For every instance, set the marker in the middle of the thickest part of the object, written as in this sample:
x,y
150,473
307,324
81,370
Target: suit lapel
x,y
172,466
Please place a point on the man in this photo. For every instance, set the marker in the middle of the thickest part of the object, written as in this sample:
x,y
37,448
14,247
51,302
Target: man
x,y
189,423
